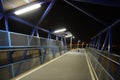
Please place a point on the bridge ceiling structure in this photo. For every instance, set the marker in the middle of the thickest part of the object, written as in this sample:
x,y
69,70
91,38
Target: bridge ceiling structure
x,y
83,18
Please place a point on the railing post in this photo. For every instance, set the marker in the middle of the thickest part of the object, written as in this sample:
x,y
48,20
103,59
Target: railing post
x,y
12,70
105,41
110,41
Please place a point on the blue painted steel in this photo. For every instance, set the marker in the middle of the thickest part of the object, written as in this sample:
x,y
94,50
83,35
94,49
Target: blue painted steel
x,y
1,6
65,41
105,42
1,16
20,64
108,38
100,65
94,42
44,54
112,3
41,56
46,12
110,41
88,14
37,33
54,52
112,25
49,36
27,23
9,56
99,40
12,71
6,23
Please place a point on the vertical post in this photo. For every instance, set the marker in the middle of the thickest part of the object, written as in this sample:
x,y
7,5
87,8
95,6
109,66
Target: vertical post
x,y
109,47
99,40
20,64
41,56
6,23
12,70
65,41
44,54
56,37
105,41
110,41
37,33
49,36
54,51
94,41
9,55
78,44
70,42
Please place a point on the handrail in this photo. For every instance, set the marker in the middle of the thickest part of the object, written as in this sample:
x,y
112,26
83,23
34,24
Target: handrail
x,y
29,42
108,58
102,67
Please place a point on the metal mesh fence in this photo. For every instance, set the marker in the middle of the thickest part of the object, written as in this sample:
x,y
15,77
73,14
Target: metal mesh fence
x,y
105,67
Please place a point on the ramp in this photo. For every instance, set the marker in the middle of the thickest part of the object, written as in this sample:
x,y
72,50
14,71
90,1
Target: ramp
x,y
70,66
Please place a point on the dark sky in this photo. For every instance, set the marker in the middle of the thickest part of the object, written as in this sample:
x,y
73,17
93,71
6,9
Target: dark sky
x,y
79,24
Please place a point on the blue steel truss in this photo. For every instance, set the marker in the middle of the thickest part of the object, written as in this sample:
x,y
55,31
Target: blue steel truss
x,y
11,49
108,38
96,40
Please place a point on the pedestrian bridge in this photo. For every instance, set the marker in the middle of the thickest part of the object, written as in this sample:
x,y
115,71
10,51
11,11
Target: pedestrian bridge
x,y
74,65
31,50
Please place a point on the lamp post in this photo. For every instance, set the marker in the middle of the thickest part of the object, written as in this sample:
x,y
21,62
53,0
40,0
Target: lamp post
x,y
71,42
78,44
71,38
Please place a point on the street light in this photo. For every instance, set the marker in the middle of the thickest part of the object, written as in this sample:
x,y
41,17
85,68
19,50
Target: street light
x,y
78,43
71,38
27,9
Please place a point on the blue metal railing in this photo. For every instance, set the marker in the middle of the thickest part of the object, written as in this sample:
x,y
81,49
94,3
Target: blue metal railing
x,y
105,67
17,40
11,70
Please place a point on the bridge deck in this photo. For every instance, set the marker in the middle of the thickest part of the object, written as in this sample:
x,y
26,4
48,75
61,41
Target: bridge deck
x,y
70,66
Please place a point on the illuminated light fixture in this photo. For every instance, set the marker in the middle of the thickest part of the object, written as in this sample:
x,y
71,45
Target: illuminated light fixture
x,y
60,30
69,35
27,9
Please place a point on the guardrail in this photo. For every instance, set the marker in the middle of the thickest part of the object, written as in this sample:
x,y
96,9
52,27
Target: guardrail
x,y
18,40
11,70
11,42
104,67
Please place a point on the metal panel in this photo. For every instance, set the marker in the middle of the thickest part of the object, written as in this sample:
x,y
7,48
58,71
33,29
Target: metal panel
x,y
34,41
5,72
43,42
3,39
18,40
51,42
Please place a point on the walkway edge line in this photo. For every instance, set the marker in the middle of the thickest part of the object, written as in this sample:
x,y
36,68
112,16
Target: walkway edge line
x,y
91,69
37,68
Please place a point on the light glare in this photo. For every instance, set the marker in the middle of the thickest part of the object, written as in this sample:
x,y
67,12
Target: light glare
x,y
27,9
70,35
60,30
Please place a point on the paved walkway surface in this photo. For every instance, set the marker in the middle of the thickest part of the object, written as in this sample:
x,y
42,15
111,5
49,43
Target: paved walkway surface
x,y
70,66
